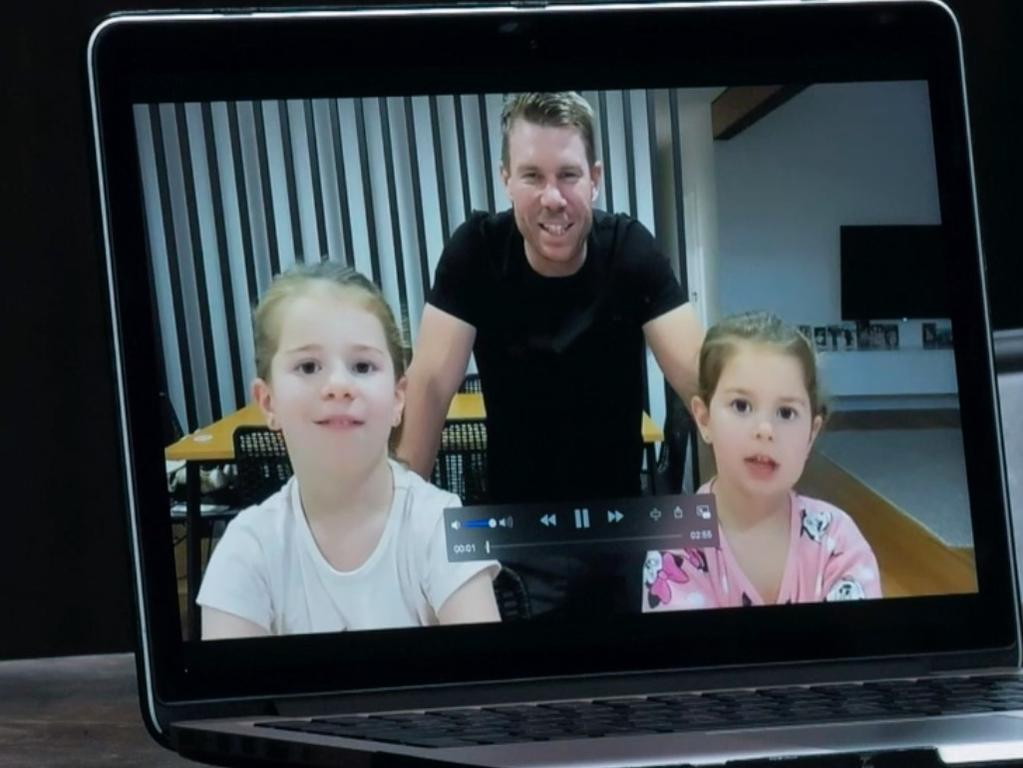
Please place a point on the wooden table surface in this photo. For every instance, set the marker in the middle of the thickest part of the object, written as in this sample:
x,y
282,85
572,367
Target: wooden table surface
x,y
216,441
80,711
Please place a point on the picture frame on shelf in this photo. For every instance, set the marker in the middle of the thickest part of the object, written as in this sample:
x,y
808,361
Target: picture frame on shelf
x,y
891,336
849,336
836,340
863,340
877,336
820,337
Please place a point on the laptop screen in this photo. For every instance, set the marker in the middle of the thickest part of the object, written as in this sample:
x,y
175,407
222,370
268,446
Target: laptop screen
x,y
635,349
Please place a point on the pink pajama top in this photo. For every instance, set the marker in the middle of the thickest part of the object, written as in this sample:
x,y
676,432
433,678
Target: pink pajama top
x,y
828,560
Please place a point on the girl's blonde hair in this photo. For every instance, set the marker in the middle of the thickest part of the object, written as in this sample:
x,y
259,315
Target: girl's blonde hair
x,y
722,341
327,277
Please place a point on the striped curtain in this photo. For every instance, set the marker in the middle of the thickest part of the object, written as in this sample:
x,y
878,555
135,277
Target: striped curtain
x,y
235,192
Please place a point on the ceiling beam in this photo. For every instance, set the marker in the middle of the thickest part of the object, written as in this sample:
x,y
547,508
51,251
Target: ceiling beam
x,y
737,108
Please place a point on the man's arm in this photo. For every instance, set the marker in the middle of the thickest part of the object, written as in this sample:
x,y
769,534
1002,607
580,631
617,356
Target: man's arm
x,y
439,360
675,338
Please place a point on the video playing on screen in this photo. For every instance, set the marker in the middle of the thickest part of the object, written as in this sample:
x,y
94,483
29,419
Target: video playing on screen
x,y
445,359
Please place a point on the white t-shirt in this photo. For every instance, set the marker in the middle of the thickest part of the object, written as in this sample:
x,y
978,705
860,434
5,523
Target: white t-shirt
x,y
268,569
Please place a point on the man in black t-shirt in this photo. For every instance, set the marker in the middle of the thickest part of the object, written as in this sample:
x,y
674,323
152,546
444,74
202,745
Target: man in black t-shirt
x,y
556,300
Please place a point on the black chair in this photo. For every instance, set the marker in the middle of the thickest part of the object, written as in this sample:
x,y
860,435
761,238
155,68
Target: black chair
x,y
263,464
512,596
461,465
471,383
679,441
218,503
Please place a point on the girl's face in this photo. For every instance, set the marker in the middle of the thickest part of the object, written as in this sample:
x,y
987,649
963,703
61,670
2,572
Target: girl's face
x,y
332,388
759,421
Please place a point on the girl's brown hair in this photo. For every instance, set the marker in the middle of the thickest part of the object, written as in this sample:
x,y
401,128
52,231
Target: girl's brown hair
x,y
723,339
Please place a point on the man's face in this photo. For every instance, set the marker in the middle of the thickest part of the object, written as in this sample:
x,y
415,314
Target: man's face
x,y
551,187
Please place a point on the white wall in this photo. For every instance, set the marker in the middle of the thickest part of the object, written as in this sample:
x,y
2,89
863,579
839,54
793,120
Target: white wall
x,y
859,153
699,203
832,155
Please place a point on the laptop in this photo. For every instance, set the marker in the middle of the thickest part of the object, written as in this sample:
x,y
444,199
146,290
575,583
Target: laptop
x,y
811,159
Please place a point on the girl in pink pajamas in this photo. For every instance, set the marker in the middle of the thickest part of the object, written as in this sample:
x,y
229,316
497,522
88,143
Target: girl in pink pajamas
x,y
760,408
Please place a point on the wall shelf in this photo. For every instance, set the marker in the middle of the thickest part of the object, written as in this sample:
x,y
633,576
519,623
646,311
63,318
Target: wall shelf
x,y
889,372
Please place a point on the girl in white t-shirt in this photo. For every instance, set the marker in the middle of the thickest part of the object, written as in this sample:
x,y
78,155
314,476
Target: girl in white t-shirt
x,y
354,540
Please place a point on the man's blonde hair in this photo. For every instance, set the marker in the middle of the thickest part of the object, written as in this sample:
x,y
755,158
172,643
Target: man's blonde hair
x,y
560,109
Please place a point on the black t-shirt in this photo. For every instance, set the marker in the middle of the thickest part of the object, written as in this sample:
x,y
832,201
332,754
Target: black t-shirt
x,y
560,358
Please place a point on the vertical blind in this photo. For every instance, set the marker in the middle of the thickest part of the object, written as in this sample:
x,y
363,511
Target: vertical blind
x,y
235,192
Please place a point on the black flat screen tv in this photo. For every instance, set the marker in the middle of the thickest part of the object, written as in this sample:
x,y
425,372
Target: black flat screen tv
x,y
891,272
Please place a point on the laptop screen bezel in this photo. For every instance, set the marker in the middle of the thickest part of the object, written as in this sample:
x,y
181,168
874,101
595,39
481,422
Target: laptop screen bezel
x,y
149,59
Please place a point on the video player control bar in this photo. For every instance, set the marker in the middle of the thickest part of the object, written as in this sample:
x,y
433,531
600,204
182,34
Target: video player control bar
x,y
641,523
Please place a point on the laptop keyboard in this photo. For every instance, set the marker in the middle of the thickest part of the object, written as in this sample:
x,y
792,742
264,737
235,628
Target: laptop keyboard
x,y
671,713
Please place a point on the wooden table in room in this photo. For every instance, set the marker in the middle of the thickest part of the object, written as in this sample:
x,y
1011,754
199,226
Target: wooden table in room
x,y
215,444
78,710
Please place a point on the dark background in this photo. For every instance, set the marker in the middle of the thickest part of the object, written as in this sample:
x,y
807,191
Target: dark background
x,y
64,576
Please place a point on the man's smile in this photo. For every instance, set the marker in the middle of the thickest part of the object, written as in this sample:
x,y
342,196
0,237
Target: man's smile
x,y
555,228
